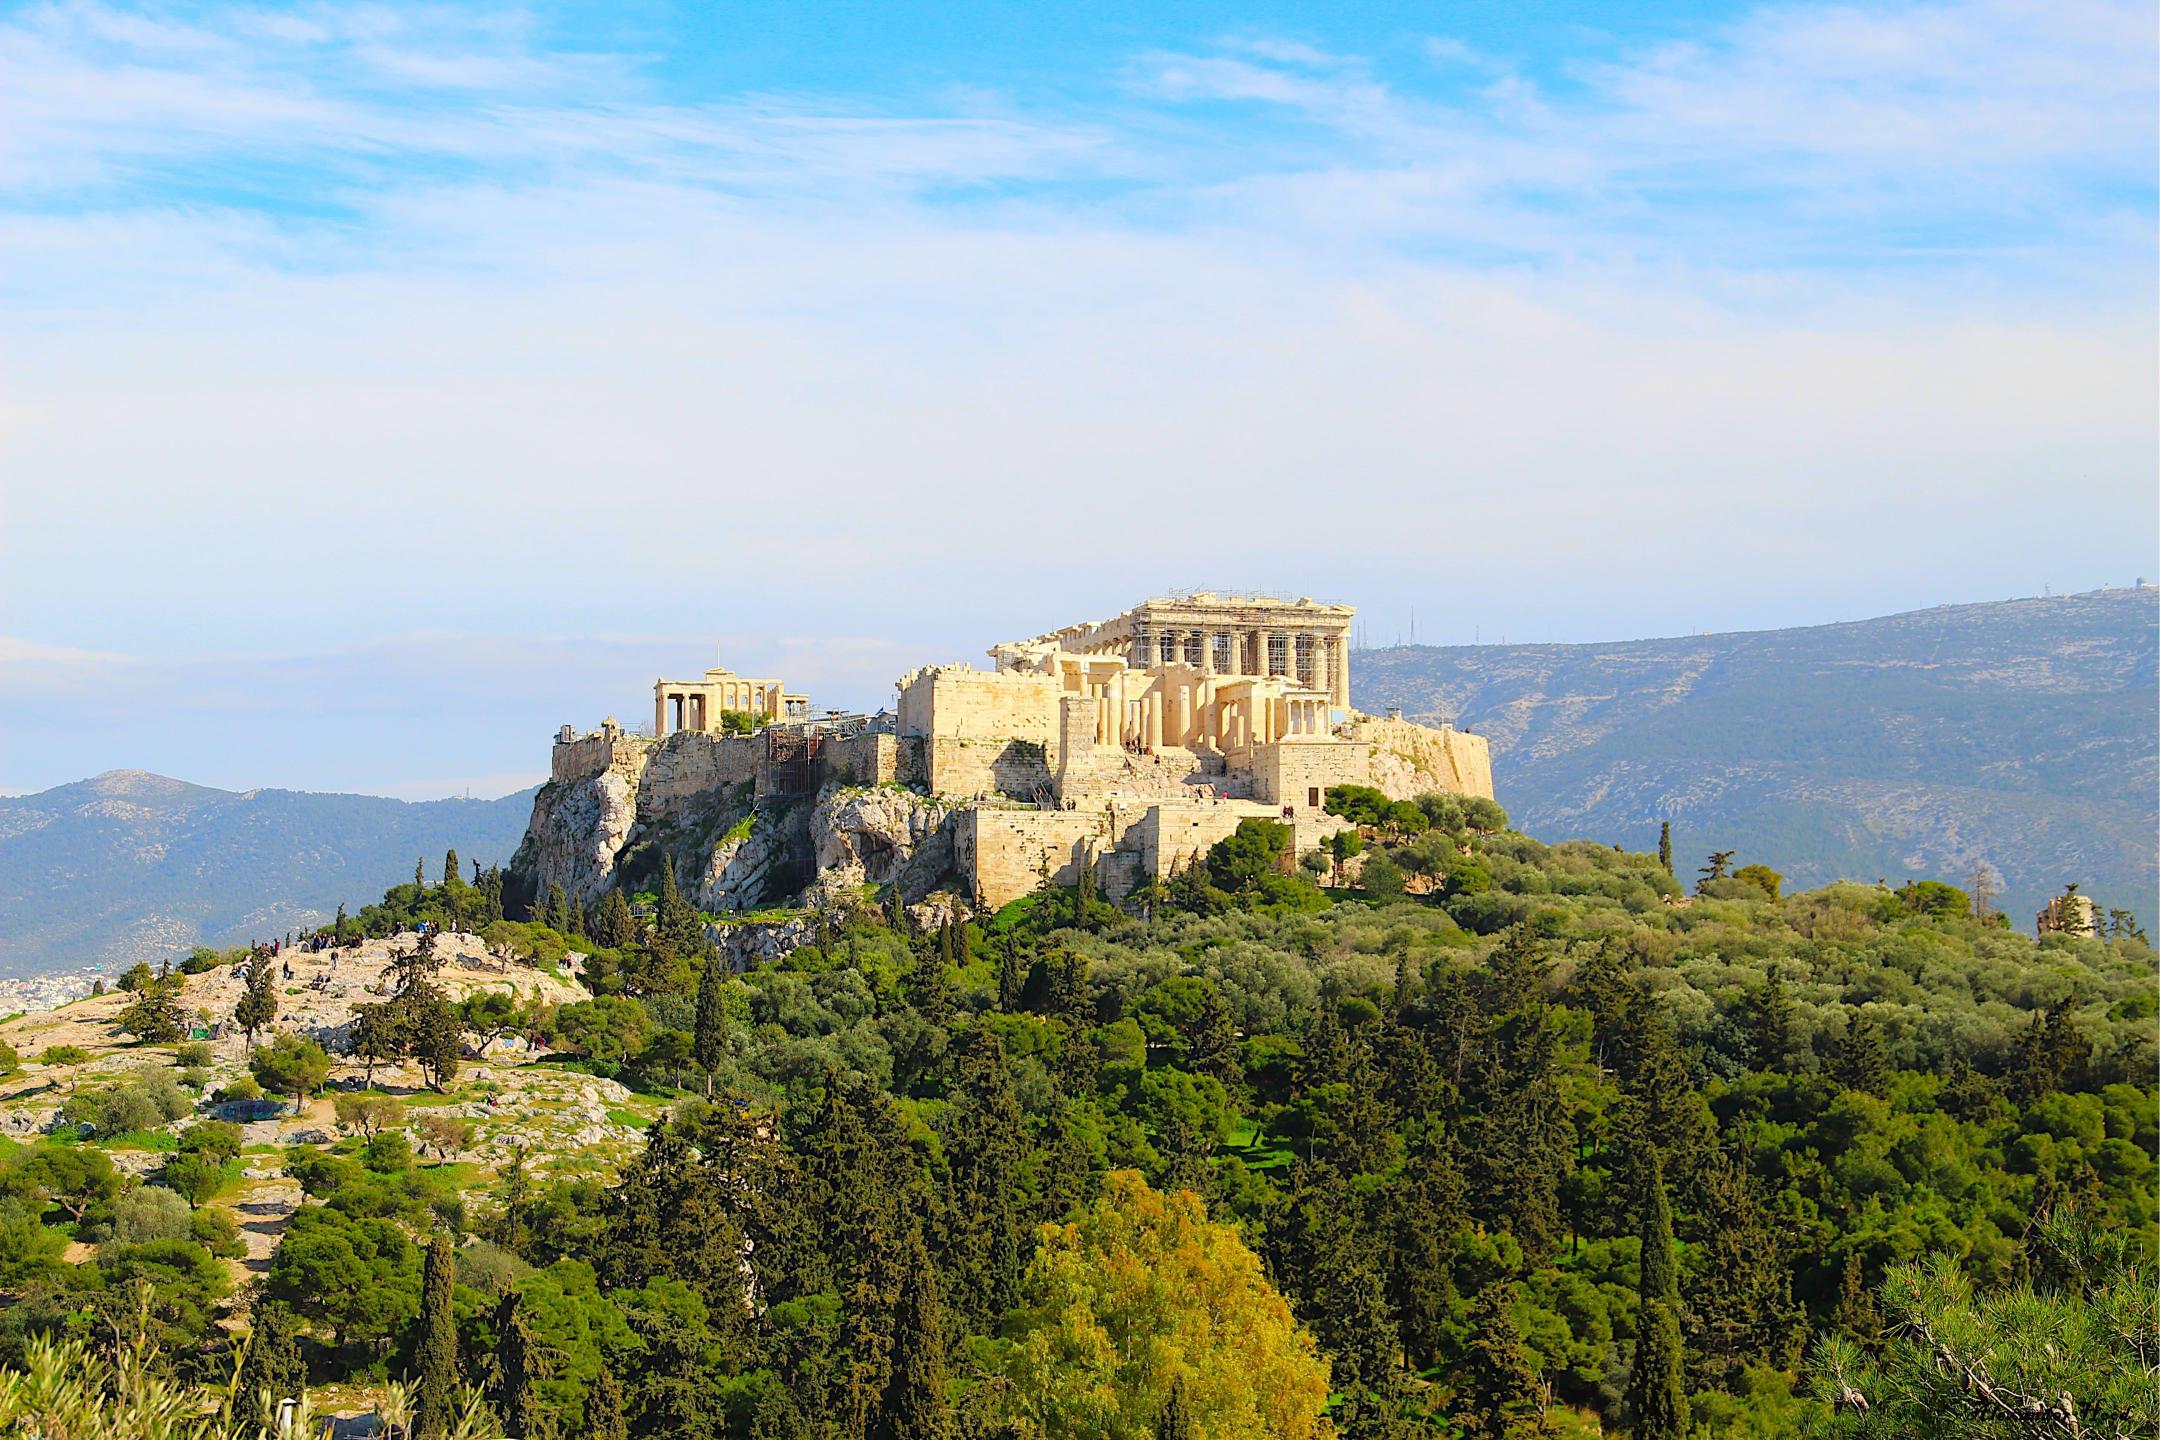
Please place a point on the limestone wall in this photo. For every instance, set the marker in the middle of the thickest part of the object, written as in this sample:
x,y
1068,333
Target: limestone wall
x,y
1005,852
1408,759
1298,772
953,702
687,773
590,755
968,768
862,760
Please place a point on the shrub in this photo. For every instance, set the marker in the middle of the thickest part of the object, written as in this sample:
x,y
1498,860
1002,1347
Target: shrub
x,y
242,1089
202,958
10,1061
63,1055
194,1054
144,1103
150,1213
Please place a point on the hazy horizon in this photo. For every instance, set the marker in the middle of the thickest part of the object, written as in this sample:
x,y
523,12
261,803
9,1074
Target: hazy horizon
x,y
357,363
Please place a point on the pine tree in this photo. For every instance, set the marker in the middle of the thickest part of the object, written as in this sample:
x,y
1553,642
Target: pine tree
x,y
1501,1395
916,1405
435,1353
1656,1394
1664,846
709,1039
273,1368
520,1368
1769,1017
604,1408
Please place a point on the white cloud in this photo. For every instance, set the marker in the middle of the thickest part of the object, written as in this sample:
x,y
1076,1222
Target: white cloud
x,y
548,354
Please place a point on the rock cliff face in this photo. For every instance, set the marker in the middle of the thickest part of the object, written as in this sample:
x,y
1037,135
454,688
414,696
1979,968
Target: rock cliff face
x,y
682,800
1408,759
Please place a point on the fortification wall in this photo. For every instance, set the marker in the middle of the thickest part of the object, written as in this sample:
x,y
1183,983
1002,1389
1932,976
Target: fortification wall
x,y
1005,853
862,760
985,767
690,775
953,702
586,756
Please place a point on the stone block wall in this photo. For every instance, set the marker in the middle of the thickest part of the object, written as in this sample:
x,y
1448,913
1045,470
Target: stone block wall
x,y
953,702
687,773
985,767
1005,852
1298,772
862,759
595,754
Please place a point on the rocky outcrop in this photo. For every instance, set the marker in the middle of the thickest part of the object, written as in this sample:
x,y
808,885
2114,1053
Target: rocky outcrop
x,y
759,861
1409,759
884,834
578,828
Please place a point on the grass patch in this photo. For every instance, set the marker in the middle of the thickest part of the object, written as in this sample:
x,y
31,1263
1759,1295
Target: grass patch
x,y
159,1140
629,1118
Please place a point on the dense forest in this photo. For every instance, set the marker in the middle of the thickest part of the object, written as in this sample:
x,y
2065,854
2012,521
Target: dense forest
x,y
1442,1132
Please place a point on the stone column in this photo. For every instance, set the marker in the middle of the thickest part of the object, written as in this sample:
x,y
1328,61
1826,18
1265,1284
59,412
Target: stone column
x,y
1339,672
1152,709
1207,652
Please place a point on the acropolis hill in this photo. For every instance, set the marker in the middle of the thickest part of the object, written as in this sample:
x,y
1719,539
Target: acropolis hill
x,y
1132,744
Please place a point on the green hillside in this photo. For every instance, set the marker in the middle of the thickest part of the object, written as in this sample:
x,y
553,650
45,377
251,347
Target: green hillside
x,y
129,866
2019,734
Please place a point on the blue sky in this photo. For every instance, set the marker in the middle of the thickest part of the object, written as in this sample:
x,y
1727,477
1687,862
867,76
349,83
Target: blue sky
x,y
382,385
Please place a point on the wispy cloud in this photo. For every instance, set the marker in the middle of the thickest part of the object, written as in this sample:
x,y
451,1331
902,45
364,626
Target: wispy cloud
x,y
331,322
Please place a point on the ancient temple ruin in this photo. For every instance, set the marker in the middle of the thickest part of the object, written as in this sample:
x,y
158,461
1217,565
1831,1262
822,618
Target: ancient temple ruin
x,y
1125,747
701,705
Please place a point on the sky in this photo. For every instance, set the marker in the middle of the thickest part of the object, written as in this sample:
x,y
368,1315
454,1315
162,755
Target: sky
x,y
384,385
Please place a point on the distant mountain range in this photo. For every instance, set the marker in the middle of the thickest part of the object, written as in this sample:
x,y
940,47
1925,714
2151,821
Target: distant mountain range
x,y
130,866
2019,734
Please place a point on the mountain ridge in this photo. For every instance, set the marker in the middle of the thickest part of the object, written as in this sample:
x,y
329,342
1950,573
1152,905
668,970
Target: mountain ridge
x,y
2015,733
129,865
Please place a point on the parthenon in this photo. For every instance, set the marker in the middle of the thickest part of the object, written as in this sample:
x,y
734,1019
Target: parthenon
x,y
1202,671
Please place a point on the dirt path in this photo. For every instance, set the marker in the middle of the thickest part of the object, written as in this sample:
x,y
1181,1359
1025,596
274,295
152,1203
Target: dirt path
x,y
263,1208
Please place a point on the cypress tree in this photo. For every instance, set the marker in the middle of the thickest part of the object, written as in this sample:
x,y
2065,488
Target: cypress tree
x,y
338,932
519,1357
1504,1401
419,873
1176,1421
1861,1064
988,1240
604,1407
672,915
1664,846
612,927
273,1369
1656,1395
709,1039
930,990
435,1353
1857,1314
258,1004
1012,974
917,1406
451,874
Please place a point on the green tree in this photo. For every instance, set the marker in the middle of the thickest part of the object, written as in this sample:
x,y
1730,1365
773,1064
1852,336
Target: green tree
x,y
1720,864
604,1408
612,926
917,1406
155,1017
452,877
709,1035
1656,1390
1503,1399
519,1368
258,1003
1861,1064
291,1064
2075,1357
435,1351
1664,846
272,1367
